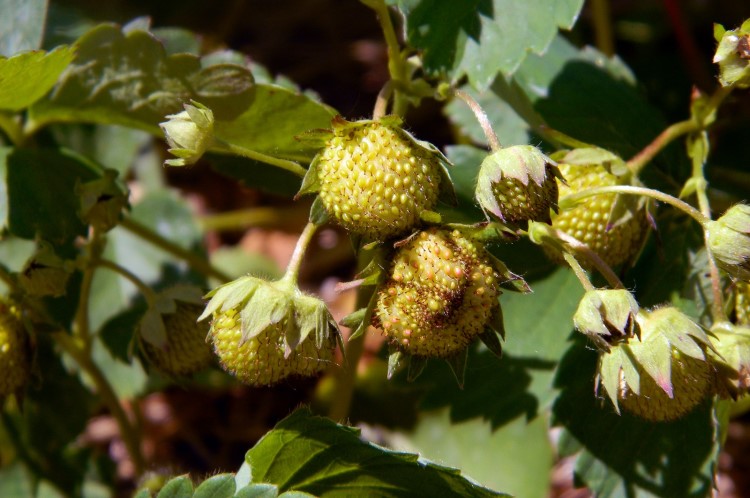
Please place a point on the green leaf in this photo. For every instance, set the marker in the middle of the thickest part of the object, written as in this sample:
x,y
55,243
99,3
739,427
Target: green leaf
x,y
27,209
16,480
22,25
258,491
219,486
623,456
179,487
481,38
591,98
255,174
315,455
509,454
277,115
127,78
27,77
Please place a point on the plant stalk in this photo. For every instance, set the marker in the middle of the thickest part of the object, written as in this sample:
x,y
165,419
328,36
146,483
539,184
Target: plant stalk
x,y
292,269
194,261
396,64
642,191
284,164
129,436
482,118
144,289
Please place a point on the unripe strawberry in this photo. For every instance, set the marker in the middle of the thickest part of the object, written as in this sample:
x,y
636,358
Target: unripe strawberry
x,y
375,179
260,361
264,332
186,350
732,359
742,303
517,184
441,293
612,225
664,374
15,361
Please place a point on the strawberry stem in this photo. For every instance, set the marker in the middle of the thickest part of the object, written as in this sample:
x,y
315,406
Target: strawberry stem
x,y
642,191
578,270
717,305
482,118
284,164
127,430
144,289
381,104
676,130
396,64
292,269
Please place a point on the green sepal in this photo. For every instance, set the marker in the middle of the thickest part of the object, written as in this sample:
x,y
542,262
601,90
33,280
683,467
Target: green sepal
x,y
151,328
230,295
311,181
608,376
367,318
318,213
416,367
497,323
457,362
446,192
316,138
508,279
374,272
354,320
490,339
395,357
719,31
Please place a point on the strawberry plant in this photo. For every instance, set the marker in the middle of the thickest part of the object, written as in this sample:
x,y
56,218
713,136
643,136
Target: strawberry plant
x,y
485,265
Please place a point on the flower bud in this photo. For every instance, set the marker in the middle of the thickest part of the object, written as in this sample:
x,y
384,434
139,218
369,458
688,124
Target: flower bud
x,y
607,316
665,373
733,55
729,241
189,133
517,184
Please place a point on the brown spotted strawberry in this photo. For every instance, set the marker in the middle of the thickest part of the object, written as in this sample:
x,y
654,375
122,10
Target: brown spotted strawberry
x,y
441,293
375,179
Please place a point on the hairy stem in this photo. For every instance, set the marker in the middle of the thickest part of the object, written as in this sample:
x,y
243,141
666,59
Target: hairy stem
x,y
590,255
579,271
94,251
396,64
292,269
482,118
144,289
717,304
676,130
194,261
256,216
284,164
381,103
128,433
642,191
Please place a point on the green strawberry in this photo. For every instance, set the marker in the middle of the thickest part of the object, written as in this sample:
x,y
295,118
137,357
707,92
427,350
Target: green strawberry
x,y
375,179
517,184
186,350
742,303
264,332
441,293
664,374
15,361
613,226
260,361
